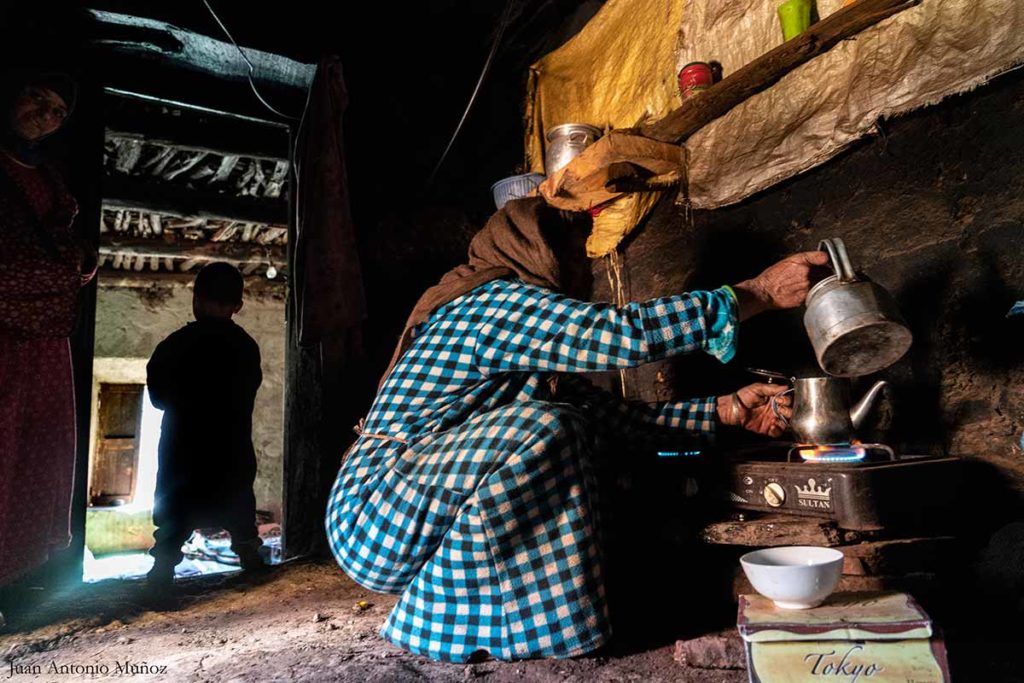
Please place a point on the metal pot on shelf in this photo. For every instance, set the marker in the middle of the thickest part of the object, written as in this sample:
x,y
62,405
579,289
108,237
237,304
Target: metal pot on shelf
x,y
565,142
853,323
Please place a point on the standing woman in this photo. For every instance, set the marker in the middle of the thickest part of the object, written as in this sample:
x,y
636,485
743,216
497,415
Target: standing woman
x,y
42,267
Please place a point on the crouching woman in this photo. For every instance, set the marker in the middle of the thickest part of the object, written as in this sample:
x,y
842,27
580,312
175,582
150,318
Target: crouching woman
x,y
471,491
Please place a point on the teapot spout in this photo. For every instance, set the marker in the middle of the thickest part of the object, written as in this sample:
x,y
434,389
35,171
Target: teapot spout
x,y
865,404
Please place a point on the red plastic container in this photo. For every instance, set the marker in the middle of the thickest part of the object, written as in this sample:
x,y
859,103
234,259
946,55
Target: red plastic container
x,y
693,78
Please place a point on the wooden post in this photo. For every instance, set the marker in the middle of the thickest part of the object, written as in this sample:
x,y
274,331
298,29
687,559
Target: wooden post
x,y
302,528
84,182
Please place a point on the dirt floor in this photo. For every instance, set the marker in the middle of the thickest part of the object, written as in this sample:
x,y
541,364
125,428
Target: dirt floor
x,y
298,623
301,622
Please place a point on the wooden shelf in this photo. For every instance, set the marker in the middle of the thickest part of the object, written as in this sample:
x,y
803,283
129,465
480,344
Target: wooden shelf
x,y
598,174
767,69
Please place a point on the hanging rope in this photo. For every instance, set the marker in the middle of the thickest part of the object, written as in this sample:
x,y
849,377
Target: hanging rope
x,y
613,271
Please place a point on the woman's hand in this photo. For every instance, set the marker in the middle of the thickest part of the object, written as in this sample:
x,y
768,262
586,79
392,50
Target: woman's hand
x,y
89,261
750,408
783,285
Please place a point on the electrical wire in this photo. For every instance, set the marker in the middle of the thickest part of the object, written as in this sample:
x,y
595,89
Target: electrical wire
x,y
294,147
505,16
298,134
252,70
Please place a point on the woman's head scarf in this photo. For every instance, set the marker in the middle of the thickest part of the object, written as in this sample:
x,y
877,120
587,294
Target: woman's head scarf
x,y
32,151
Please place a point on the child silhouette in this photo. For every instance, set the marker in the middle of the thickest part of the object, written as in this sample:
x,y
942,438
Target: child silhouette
x,y
204,377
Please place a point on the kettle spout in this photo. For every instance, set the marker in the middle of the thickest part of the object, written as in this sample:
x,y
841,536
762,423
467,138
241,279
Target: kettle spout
x,y
865,404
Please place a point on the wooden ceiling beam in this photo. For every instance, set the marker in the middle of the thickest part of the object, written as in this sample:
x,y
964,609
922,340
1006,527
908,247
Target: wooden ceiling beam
x,y
254,284
198,252
172,133
155,40
171,200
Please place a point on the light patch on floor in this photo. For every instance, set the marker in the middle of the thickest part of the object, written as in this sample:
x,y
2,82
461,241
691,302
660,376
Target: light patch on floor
x,y
203,555
135,565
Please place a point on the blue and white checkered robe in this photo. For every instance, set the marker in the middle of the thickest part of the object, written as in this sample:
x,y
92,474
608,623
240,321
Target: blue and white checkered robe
x,y
484,519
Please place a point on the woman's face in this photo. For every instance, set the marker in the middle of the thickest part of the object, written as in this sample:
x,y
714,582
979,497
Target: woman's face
x,y
37,112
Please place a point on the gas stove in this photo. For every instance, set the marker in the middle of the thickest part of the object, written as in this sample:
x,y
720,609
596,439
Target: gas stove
x,y
862,487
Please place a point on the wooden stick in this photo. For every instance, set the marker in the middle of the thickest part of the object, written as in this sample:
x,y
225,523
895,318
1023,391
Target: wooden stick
x,y
235,252
129,279
760,74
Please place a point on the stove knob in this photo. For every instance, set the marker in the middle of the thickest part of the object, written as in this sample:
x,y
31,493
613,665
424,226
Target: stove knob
x,y
774,494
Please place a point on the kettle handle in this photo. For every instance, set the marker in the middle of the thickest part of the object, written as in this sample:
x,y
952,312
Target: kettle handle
x,y
775,406
839,258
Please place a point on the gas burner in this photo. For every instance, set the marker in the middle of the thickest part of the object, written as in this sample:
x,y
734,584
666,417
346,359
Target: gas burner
x,y
879,491
849,454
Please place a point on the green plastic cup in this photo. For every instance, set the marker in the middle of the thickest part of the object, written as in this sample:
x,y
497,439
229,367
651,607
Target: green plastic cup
x,y
795,17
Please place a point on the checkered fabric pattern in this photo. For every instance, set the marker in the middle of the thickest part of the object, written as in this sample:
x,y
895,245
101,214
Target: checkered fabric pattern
x,y
486,518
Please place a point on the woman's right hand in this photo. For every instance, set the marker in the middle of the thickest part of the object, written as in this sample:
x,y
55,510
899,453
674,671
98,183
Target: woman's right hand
x,y
783,285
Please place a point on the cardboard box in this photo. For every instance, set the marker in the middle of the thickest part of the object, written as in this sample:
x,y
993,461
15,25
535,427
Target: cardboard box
x,y
876,637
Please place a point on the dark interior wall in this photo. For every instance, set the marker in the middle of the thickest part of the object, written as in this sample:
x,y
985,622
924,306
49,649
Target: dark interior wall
x,y
932,209
410,78
410,71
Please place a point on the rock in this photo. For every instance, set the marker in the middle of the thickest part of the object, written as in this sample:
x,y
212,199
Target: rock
x,y
899,556
774,530
317,617
1000,567
716,651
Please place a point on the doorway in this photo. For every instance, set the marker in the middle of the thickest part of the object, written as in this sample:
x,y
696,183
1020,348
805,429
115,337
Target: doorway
x,y
182,186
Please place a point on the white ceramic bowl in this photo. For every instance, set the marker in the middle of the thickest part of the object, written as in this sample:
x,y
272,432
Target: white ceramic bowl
x,y
795,576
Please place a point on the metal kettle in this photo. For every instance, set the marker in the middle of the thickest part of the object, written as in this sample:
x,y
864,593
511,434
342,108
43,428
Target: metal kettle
x,y
853,323
822,413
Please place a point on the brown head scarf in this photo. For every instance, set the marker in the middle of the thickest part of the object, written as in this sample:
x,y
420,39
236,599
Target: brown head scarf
x,y
513,243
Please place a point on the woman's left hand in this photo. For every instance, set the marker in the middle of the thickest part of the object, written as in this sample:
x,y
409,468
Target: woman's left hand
x,y
90,262
750,408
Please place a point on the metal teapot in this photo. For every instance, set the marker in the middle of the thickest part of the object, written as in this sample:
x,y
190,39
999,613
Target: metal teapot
x,y
852,322
822,413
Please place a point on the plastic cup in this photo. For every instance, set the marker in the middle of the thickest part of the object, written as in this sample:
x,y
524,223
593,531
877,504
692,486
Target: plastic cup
x,y
795,17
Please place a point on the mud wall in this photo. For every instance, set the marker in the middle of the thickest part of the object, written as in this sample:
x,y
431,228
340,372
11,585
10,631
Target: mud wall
x,y
932,209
